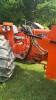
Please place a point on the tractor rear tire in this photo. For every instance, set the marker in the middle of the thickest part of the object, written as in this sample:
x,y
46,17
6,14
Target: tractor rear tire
x,y
6,59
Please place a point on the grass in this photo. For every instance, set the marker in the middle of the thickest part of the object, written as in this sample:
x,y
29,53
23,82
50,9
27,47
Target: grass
x,y
28,82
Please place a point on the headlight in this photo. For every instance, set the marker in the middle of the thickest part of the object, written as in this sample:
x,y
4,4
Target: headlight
x,y
8,28
3,28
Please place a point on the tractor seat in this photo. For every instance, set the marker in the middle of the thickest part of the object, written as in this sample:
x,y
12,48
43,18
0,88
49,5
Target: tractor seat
x,y
19,37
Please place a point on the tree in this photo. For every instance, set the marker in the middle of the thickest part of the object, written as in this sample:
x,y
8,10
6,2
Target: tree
x,y
46,13
11,10
17,11
30,9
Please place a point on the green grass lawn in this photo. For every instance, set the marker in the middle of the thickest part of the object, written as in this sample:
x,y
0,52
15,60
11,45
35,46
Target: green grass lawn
x,y
28,82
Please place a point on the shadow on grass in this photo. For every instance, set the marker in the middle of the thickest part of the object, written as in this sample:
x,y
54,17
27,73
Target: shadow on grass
x,y
28,85
24,61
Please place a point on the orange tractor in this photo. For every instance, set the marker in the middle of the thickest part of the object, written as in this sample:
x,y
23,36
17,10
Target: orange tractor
x,y
31,43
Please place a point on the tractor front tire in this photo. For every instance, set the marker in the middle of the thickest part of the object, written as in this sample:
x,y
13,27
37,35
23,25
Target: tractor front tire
x,y
6,59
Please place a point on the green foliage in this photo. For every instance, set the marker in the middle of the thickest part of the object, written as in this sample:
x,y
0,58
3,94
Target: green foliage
x,y
42,11
11,10
47,13
28,83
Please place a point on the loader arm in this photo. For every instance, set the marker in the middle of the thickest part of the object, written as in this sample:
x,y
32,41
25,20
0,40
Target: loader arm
x,y
48,53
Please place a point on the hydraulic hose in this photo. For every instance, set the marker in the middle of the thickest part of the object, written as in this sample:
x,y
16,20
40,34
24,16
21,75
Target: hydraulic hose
x,y
27,30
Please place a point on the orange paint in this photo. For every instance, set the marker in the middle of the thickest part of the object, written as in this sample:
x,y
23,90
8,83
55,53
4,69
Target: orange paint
x,y
23,46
